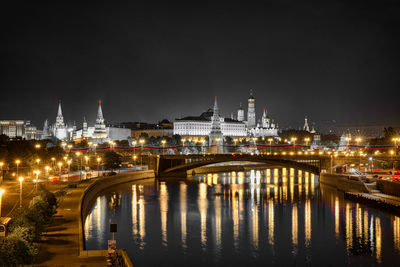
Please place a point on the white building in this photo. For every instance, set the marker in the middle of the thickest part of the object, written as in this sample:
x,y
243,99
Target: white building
x,y
59,129
201,126
18,129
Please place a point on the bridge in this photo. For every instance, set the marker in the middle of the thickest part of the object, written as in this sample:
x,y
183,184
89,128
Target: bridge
x,y
178,165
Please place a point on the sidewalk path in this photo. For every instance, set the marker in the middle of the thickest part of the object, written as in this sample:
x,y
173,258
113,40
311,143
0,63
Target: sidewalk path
x,y
60,245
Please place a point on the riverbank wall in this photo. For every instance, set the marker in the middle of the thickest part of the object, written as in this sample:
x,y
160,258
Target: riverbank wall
x,y
343,182
389,187
90,194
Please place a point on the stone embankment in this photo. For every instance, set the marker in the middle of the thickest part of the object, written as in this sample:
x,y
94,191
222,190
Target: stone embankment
x,y
346,183
387,197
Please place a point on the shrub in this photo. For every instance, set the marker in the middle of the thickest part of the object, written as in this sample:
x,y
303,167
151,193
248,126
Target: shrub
x,y
15,251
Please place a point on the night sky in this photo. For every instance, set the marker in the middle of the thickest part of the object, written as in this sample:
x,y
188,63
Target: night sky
x,y
329,60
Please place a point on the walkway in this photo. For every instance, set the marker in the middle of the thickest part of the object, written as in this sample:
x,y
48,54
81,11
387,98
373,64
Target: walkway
x,y
60,245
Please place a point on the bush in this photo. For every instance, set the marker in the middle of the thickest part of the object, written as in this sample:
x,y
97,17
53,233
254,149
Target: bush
x,y
26,234
15,251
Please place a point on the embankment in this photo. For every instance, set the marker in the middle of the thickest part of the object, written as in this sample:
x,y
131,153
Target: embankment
x,y
90,194
389,187
343,182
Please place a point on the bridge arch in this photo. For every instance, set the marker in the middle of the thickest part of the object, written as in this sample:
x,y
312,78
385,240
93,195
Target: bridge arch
x,y
170,166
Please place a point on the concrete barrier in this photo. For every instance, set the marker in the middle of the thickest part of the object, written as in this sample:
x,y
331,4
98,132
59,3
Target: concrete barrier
x,y
343,182
92,191
389,187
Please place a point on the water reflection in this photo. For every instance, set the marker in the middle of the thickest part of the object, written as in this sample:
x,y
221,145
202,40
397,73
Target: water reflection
x,y
261,216
164,211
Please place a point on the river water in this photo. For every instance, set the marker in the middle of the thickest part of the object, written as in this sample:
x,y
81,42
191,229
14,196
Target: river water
x,y
271,217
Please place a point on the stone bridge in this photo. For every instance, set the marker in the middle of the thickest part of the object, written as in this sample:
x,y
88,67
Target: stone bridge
x,y
178,165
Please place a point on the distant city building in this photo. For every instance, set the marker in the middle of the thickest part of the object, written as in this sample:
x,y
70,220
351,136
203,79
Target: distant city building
x,y
161,129
265,128
202,125
18,129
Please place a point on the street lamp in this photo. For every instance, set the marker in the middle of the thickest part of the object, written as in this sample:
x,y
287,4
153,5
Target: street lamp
x,y
163,144
294,139
134,142
307,139
358,140
395,140
78,154
1,170
141,141
1,195
37,146
98,166
270,144
69,165
17,162
59,166
20,191
348,139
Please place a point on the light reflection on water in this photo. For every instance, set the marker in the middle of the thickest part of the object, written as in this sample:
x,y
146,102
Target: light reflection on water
x,y
273,216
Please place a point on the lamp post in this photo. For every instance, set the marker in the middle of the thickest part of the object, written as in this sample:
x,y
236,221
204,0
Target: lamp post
x,y
395,140
307,139
1,170
358,140
69,165
163,144
98,166
141,141
134,142
78,154
270,144
17,162
1,195
36,172
53,161
21,179
59,166
293,139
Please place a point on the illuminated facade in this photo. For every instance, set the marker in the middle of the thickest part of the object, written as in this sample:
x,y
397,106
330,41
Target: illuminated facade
x,y
59,129
18,129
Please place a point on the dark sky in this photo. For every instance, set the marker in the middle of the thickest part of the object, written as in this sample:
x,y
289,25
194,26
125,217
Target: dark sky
x,y
329,60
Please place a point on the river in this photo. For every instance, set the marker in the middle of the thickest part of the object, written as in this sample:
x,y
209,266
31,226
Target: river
x,y
269,217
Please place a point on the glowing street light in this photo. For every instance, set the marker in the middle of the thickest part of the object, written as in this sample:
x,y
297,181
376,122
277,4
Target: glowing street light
x,y
1,170
37,146
21,179
78,154
98,166
270,144
17,162
307,139
293,140
163,144
141,141
59,166
1,196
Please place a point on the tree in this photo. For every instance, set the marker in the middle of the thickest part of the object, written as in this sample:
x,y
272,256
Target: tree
x,y
112,160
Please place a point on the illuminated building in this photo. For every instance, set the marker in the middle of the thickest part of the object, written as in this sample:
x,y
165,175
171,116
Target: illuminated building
x,y
18,129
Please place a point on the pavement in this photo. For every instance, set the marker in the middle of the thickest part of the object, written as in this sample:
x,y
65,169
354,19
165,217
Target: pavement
x,y
60,244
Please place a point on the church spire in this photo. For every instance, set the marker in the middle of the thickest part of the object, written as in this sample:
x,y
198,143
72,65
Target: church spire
x,y
100,118
216,123
60,118
306,127
59,113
